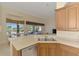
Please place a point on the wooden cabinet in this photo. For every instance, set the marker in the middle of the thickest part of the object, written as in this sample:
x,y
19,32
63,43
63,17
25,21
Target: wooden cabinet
x,y
65,50
72,17
78,17
42,49
61,19
46,49
51,49
69,51
67,18
58,50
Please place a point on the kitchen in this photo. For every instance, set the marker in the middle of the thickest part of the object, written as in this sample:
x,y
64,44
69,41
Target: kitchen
x,y
53,33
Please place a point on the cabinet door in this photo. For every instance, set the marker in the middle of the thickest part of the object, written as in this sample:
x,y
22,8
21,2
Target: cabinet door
x,y
51,49
72,17
61,19
78,18
69,51
42,49
58,50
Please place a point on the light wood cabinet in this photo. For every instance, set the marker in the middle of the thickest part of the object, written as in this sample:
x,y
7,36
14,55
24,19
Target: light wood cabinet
x,y
67,18
56,49
51,49
42,49
61,19
46,49
72,17
65,50
69,51
78,17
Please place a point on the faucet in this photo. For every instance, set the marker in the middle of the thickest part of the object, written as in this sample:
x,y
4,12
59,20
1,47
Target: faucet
x,y
46,38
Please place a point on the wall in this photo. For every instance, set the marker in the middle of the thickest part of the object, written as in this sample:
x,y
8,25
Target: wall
x,y
60,4
15,15
68,35
3,37
51,21
50,24
6,12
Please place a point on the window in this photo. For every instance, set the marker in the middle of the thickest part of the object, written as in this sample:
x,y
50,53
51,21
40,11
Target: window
x,y
38,28
21,28
14,28
11,29
34,29
30,28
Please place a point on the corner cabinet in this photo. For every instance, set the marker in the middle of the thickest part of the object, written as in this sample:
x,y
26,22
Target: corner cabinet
x,y
67,18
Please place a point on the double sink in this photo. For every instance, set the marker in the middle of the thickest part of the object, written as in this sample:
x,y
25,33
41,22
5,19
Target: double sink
x,y
46,39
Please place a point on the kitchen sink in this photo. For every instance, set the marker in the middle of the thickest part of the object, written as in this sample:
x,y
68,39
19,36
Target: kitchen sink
x,y
46,39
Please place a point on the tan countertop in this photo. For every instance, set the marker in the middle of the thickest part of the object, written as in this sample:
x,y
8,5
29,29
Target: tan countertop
x,y
23,42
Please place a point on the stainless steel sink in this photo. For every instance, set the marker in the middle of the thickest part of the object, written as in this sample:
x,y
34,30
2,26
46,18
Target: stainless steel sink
x,y
51,39
46,39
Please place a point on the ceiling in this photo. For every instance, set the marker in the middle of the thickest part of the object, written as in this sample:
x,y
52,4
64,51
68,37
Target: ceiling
x,y
39,9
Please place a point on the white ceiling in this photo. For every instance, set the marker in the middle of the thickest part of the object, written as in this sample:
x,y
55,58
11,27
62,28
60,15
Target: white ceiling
x,y
38,9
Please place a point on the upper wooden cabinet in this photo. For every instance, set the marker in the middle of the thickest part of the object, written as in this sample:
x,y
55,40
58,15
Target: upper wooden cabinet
x,y
72,17
67,18
56,49
61,19
78,17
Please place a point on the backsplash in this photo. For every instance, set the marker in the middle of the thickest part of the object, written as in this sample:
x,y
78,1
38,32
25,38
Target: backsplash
x,y
68,35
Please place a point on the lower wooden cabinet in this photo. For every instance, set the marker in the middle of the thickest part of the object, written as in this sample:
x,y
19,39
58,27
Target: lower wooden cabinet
x,y
56,49
42,49
69,51
51,49
46,49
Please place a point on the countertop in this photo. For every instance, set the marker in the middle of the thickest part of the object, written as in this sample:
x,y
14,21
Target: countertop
x,y
24,42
